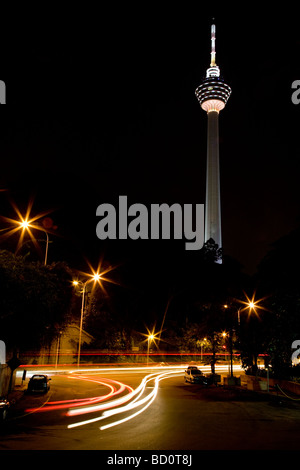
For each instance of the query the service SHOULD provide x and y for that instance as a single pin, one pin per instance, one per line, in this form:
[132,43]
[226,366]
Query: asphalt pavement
[183,416]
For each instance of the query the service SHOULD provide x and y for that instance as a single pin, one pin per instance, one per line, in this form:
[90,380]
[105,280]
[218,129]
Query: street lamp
[96,277]
[27,225]
[251,305]
[150,339]
[202,343]
[57,348]
[24,224]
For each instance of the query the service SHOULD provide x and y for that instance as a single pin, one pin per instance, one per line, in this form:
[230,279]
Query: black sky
[105,106]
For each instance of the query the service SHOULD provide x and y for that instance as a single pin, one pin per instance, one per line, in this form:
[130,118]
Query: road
[180,416]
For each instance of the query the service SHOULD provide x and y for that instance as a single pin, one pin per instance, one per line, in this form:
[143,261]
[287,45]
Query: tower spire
[213,70]
[213,46]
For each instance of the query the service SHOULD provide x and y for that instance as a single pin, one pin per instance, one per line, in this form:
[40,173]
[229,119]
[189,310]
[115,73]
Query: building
[213,94]
[64,348]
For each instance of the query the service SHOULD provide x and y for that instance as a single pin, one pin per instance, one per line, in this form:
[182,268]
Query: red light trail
[116,388]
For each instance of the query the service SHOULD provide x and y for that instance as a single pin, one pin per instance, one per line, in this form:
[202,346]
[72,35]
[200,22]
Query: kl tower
[212,95]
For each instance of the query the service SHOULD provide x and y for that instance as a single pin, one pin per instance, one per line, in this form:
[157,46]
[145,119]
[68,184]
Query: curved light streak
[150,398]
[134,404]
[61,404]
[112,403]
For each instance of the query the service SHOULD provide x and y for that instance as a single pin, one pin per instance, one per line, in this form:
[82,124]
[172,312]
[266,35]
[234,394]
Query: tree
[278,276]
[211,251]
[35,301]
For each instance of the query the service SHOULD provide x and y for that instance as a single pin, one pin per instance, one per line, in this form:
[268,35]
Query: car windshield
[196,372]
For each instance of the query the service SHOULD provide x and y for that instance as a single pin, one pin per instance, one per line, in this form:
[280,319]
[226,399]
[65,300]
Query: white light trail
[150,397]
[112,403]
[134,404]
[119,370]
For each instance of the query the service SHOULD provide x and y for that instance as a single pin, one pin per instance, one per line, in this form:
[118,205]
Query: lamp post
[150,339]
[230,346]
[96,277]
[57,348]
[224,336]
[47,245]
[27,225]
[250,305]
[203,341]
[81,317]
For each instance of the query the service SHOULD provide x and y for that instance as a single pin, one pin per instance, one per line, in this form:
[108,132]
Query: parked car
[4,406]
[194,375]
[39,384]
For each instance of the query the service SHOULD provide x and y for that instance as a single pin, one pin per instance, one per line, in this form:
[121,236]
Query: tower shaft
[213,197]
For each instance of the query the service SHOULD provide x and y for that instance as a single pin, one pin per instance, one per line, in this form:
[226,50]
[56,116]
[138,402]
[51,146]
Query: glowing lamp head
[24,224]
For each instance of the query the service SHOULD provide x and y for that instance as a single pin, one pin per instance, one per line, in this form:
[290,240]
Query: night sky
[104,105]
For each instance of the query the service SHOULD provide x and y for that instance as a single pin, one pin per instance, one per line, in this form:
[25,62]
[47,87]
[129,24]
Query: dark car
[39,383]
[4,406]
[194,375]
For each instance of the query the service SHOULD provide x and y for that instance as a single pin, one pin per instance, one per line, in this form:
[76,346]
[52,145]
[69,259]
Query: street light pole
[239,316]
[250,305]
[230,345]
[47,245]
[26,225]
[57,348]
[148,346]
[150,339]
[81,321]
[96,277]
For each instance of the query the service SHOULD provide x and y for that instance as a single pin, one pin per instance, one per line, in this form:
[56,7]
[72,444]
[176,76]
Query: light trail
[134,404]
[135,396]
[110,407]
[62,404]
[161,356]
[119,370]
[150,398]
[112,403]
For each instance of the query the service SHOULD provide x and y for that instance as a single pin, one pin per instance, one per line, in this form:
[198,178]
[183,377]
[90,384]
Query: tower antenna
[213,46]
